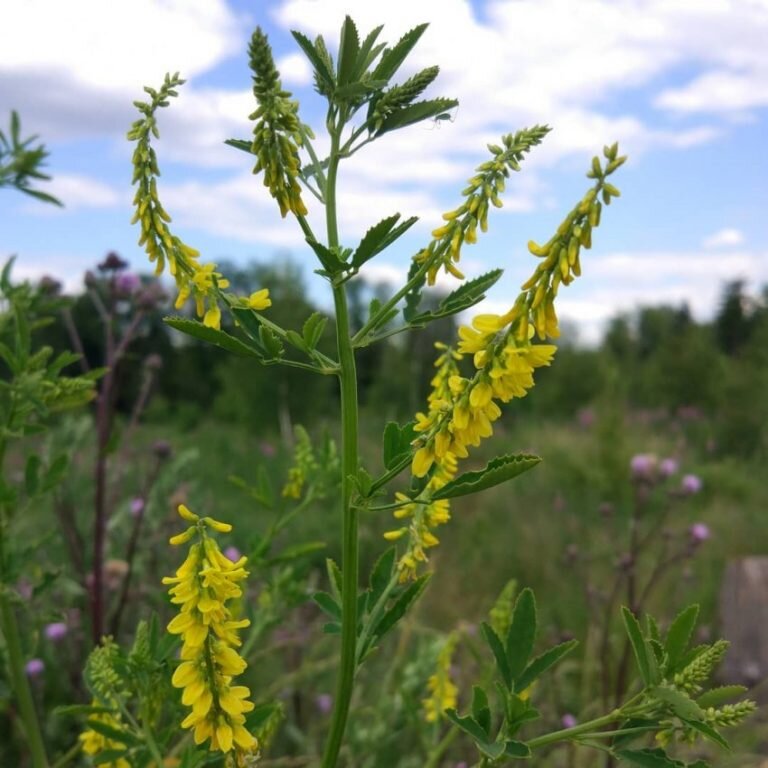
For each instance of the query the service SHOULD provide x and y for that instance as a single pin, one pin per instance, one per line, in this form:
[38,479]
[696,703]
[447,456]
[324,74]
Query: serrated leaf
[639,646]
[416,113]
[368,52]
[242,144]
[708,732]
[328,604]
[297,340]
[349,49]
[499,470]
[330,260]
[497,648]
[543,662]
[393,57]
[211,335]
[379,237]
[679,636]
[467,295]
[315,60]
[313,328]
[397,610]
[717,696]
[270,342]
[648,758]
[681,704]
[413,297]
[521,634]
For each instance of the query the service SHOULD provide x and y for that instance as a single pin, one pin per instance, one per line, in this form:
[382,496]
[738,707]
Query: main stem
[349,556]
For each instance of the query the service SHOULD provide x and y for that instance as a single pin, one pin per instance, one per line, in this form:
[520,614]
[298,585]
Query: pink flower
[691,484]
[56,631]
[126,284]
[699,532]
[34,667]
[668,467]
[232,553]
[137,506]
[643,465]
[568,720]
[324,703]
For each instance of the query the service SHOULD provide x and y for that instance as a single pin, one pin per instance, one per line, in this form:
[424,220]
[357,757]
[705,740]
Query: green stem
[21,683]
[433,761]
[69,755]
[567,734]
[349,461]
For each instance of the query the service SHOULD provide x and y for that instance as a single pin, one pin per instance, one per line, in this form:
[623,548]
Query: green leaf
[639,646]
[328,258]
[32,475]
[499,653]
[681,704]
[368,52]
[464,297]
[115,734]
[393,57]
[499,470]
[379,237]
[521,634]
[296,551]
[679,636]
[328,604]
[397,442]
[297,340]
[400,606]
[516,749]
[648,758]
[717,696]
[380,575]
[313,328]
[349,49]
[270,342]
[76,710]
[493,749]
[334,577]
[108,756]
[242,144]
[321,70]
[55,472]
[543,662]
[708,732]
[416,113]
[210,335]
[481,712]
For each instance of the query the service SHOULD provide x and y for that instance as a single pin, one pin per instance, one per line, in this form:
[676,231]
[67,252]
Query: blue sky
[682,84]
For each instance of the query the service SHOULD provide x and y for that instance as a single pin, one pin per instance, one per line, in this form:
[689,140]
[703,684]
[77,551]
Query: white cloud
[294,69]
[77,192]
[723,238]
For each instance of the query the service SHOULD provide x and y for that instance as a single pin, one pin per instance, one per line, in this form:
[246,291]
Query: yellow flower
[94,743]
[260,299]
[203,585]
[442,690]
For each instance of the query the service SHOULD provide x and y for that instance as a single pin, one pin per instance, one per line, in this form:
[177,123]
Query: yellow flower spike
[423,460]
[202,586]
[186,514]
[395,535]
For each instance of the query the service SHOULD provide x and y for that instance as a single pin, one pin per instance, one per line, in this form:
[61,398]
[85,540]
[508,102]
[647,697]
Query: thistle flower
[56,631]
[34,668]
[203,585]
[691,484]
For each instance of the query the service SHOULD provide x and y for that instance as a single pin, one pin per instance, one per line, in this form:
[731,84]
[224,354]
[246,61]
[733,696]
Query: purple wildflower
[232,553]
[691,484]
[126,284]
[643,465]
[568,720]
[56,631]
[699,532]
[137,506]
[324,703]
[668,467]
[34,667]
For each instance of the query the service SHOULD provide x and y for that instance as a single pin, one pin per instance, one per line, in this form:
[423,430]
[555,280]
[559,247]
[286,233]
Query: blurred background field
[661,425]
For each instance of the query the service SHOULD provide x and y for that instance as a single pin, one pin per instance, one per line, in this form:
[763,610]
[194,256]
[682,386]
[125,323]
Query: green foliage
[20,162]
